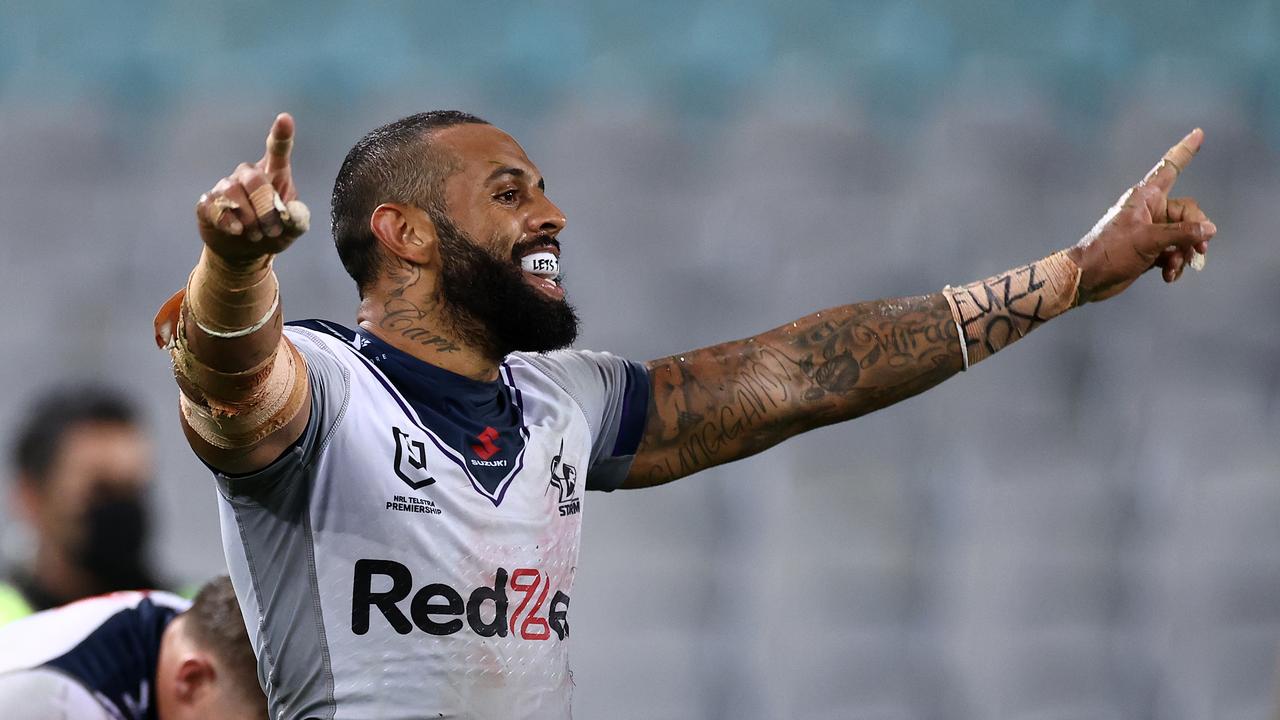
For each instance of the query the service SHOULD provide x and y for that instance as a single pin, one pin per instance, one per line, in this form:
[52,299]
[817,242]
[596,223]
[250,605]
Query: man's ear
[405,231]
[194,678]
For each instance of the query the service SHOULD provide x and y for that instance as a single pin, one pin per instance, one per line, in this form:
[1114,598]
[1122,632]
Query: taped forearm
[241,379]
[266,397]
[232,300]
[995,312]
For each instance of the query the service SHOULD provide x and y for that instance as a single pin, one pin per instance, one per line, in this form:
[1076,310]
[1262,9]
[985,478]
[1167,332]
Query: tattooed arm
[736,399]
[732,400]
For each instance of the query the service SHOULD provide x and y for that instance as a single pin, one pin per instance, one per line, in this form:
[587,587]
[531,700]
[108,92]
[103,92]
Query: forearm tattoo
[736,399]
[729,401]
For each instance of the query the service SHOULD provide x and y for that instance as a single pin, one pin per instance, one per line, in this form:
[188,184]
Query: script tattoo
[402,315]
[729,401]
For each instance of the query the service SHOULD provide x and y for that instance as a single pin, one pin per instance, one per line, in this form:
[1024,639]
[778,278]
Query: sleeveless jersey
[413,555]
[91,659]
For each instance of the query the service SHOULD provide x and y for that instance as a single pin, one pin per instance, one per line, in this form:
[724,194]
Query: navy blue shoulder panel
[635,411]
[117,661]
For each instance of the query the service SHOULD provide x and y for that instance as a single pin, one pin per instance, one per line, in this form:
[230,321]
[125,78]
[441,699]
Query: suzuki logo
[486,448]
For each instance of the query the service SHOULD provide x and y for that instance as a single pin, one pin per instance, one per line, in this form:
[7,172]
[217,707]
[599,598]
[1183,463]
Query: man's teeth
[542,264]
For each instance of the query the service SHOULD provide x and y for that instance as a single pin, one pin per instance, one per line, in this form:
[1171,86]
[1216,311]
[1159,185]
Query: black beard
[490,305]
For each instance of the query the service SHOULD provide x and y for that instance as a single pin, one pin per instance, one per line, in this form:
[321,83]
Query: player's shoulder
[110,618]
[568,363]
[592,378]
[44,693]
[321,330]
[329,348]
[92,610]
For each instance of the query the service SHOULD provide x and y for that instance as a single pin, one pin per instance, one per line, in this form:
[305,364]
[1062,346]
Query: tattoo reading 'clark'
[736,399]
[401,315]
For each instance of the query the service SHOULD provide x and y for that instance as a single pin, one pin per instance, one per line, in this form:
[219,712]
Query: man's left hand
[1144,229]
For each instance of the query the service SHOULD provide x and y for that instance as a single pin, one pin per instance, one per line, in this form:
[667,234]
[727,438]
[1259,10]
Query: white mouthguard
[543,264]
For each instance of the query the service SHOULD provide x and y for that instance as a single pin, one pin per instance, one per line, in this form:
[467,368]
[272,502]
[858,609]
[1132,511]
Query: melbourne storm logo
[564,478]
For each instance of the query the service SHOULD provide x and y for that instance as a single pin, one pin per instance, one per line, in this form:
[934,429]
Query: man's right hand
[255,211]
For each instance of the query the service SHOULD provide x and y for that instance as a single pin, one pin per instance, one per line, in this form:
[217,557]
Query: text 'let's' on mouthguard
[543,264]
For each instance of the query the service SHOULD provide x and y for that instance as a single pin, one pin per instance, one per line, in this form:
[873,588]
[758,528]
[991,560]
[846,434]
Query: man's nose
[545,218]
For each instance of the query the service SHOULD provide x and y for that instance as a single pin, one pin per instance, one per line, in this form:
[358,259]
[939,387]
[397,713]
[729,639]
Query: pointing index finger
[1166,172]
[279,144]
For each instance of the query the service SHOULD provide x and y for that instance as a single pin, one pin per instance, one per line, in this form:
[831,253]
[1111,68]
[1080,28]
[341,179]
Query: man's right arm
[244,387]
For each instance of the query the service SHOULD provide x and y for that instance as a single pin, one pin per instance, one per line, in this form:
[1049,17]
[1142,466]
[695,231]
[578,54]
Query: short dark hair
[52,415]
[394,163]
[216,625]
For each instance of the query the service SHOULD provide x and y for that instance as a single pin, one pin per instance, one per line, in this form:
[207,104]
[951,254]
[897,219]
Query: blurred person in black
[81,469]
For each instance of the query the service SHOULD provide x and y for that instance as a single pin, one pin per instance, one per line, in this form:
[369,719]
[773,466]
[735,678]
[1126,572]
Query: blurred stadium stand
[1084,527]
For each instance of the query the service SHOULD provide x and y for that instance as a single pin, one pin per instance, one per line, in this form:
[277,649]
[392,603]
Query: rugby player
[132,655]
[401,500]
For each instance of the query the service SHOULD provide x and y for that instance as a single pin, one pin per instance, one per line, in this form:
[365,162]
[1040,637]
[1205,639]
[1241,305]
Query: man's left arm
[730,401]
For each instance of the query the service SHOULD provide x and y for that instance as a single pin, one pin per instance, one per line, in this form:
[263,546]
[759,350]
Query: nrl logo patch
[411,460]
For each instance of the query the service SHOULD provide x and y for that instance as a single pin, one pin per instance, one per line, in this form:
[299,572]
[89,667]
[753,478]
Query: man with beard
[401,502]
[82,467]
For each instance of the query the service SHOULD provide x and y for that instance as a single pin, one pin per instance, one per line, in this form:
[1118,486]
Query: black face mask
[113,548]
[492,305]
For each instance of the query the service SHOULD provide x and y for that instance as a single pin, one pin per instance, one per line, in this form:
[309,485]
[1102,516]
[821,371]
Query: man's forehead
[483,148]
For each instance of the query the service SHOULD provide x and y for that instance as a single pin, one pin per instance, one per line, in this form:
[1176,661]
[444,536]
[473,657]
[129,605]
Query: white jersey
[94,659]
[413,555]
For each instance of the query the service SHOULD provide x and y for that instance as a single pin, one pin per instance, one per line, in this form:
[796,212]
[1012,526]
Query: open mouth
[541,266]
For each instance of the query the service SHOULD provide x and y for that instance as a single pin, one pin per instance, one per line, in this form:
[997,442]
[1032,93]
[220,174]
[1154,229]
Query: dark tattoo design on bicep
[402,315]
[732,400]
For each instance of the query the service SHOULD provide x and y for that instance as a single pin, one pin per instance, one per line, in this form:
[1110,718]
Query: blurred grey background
[1084,526]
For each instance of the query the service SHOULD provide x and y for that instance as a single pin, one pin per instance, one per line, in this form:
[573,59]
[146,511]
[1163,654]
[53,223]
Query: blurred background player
[81,471]
[132,656]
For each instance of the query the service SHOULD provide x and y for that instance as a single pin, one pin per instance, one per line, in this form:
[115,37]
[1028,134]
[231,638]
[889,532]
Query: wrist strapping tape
[995,312]
[231,409]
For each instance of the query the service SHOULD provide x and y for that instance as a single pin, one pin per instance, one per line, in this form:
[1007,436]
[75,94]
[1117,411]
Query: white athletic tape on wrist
[231,302]
[231,410]
[261,323]
[995,312]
